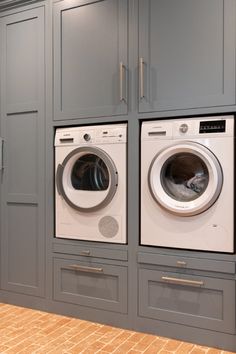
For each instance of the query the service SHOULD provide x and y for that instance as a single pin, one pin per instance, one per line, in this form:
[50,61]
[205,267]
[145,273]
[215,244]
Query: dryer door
[87,179]
[185,179]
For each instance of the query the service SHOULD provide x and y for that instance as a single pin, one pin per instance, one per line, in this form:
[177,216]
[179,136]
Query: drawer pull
[183,281]
[181,263]
[80,268]
[85,253]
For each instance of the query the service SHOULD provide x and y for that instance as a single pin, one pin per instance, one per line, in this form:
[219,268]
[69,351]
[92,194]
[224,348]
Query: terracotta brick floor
[28,331]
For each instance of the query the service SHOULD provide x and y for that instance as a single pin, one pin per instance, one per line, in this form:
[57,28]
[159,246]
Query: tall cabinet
[22,152]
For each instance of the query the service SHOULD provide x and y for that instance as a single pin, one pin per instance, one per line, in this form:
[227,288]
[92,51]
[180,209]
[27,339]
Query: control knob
[183,128]
[87,137]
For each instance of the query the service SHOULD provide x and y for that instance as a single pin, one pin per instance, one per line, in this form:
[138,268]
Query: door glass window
[90,173]
[184,177]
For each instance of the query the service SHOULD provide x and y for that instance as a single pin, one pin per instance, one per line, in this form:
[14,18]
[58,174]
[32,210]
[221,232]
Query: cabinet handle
[122,68]
[85,253]
[141,75]
[80,268]
[1,154]
[181,263]
[182,281]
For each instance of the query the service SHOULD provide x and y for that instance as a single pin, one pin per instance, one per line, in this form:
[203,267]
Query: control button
[183,128]
[87,137]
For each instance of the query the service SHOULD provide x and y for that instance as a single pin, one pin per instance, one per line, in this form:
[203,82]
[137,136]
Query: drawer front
[97,285]
[99,252]
[210,265]
[190,300]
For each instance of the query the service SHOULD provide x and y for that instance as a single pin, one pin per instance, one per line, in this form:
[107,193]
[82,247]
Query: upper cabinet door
[90,58]
[186,54]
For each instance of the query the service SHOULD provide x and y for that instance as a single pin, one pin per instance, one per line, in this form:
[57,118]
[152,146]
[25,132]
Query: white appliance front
[187,184]
[90,176]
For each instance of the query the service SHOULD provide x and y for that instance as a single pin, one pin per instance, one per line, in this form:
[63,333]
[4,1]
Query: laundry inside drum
[184,176]
[90,173]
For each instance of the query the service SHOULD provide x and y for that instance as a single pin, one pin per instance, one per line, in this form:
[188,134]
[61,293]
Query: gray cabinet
[89,283]
[22,152]
[90,58]
[196,301]
[186,54]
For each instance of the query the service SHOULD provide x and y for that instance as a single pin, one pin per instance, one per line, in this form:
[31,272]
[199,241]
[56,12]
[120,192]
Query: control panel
[103,134]
[204,127]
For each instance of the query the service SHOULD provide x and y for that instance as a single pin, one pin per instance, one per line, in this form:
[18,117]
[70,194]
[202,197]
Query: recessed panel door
[90,58]
[23,151]
[186,54]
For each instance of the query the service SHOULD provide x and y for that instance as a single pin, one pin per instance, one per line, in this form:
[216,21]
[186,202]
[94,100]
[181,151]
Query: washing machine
[90,178]
[187,183]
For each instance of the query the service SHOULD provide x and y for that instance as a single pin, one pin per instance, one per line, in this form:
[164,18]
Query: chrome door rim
[113,173]
[205,201]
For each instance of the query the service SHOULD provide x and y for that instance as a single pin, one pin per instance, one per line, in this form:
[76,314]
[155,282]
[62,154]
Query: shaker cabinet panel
[22,152]
[186,54]
[96,285]
[22,60]
[90,58]
[191,300]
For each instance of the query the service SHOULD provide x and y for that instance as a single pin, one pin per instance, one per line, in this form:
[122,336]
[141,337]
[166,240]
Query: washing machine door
[185,179]
[87,179]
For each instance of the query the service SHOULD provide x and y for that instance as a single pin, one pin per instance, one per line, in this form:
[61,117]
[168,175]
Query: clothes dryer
[90,176]
[187,183]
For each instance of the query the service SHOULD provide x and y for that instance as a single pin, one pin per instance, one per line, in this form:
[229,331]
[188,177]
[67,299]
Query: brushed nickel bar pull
[181,263]
[85,253]
[122,67]
[80,268]
[1,154]
[141,75]
[182,281]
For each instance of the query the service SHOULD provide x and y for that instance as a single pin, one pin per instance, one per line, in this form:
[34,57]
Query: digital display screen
[214,126]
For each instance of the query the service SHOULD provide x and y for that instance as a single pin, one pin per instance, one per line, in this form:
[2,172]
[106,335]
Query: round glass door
[90,173]
[87,179]
[185,179]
